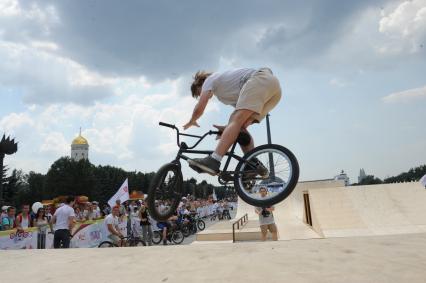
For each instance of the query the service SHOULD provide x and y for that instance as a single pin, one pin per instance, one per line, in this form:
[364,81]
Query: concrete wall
[369,210]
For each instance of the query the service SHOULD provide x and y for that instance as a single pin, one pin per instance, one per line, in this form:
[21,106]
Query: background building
[79,148]
[344,177]
[361,175]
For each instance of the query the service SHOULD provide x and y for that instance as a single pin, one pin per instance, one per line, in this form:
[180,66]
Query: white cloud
[55,142]
[405,27]
[122,133]
[406,95]
[337,82]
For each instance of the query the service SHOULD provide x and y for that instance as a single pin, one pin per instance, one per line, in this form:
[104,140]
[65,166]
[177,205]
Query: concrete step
[222,231]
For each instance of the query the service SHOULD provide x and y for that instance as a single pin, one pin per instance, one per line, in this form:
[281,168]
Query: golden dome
[80,140]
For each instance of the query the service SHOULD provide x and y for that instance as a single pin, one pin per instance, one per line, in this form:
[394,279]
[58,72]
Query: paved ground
[396,258]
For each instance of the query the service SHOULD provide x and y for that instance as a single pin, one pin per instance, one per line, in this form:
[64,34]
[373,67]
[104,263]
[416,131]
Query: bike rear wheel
[165,192]
[271,166]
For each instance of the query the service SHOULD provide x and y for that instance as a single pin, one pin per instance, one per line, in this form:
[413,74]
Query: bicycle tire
[280,196]
[106,244]
[138,243]
[156,182]
[156,237]
[177,237]
[186,231]
[193,229]
[201,225]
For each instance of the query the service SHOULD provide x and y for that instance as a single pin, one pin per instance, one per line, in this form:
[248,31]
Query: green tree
[369,180]
[414,174]
[69,177]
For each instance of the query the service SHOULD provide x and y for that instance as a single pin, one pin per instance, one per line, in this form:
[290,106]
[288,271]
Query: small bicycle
[270,165]
[130,241]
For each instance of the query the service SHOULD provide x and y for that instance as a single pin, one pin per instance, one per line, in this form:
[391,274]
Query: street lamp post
[271,158]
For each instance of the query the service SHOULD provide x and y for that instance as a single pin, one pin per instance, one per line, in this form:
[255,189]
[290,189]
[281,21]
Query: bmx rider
[252,92]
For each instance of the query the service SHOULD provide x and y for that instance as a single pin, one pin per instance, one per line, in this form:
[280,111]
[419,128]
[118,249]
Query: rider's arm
[71,222]
[201,105]
[113,231]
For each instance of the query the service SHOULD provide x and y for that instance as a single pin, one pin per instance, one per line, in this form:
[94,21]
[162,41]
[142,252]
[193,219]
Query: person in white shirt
[112,229]
[252,92]
[63,219]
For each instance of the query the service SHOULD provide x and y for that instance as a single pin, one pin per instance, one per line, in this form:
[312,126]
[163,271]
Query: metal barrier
[240,223]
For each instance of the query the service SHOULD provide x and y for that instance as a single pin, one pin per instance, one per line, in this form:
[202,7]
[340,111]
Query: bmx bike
[174,235]
[280,177]
[130,241]
[125,242]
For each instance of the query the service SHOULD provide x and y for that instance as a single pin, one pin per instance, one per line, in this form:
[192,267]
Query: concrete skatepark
[327,233]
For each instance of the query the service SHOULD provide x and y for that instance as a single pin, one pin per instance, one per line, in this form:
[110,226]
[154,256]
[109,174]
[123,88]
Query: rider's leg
[264,231]
[211,164]
[246,147]
[165,236]
[236,122]
[274,231]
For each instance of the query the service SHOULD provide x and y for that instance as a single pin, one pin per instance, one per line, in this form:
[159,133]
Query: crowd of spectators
[135,212]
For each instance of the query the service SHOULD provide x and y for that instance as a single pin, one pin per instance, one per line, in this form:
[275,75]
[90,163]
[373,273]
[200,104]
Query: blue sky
[352,74]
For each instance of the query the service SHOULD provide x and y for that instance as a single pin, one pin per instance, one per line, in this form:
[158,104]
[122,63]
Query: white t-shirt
[226,86]
[25,223]
[111,219]
[62,215]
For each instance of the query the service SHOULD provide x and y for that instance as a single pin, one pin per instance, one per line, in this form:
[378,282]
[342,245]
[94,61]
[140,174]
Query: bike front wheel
[201,225]
[136,243]
[165,192]
[271,167]
[177,237]
[106,244]
[156,237]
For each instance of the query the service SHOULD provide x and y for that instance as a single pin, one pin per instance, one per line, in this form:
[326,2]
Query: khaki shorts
[260,94]
[115,239]
[271,227]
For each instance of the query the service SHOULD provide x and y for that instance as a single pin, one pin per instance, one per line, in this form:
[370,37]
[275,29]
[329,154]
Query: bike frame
[184,148]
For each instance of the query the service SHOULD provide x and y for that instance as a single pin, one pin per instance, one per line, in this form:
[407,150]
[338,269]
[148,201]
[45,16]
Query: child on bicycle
[252,92]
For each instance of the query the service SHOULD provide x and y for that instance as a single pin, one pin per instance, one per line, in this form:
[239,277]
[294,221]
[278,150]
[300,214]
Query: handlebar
[167,125]
[178,134]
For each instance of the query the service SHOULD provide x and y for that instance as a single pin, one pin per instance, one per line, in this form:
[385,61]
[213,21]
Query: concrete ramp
[289,218]
[369,210]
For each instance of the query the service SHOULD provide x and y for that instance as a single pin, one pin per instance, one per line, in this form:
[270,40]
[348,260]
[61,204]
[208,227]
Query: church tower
[79,148]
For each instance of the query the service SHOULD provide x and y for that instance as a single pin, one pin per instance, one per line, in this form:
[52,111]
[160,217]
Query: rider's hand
[190,124]
[220,129]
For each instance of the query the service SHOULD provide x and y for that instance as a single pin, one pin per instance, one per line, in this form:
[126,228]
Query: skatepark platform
[327,209]
[328,233]
[395,258]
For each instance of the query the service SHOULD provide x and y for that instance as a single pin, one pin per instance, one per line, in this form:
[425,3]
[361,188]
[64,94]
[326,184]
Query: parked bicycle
[270,165]
[174,235]
[130,241]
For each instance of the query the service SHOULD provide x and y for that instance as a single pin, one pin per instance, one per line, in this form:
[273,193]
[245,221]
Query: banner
[423,181]
[88,234]
[14,240]
[91,233]
[122,194]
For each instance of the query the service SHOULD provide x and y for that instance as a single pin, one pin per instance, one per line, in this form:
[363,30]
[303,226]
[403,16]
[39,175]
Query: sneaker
[258,166]
[207,164]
